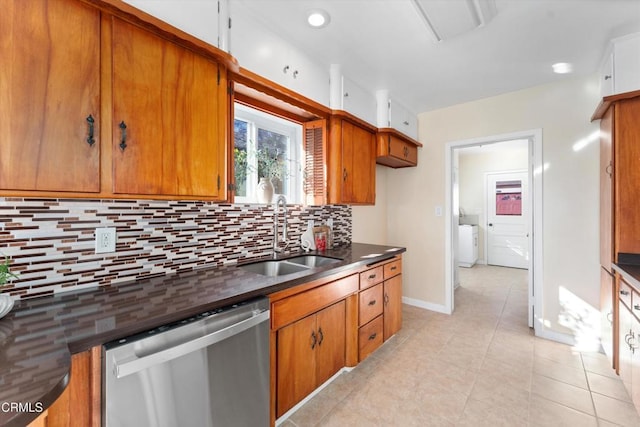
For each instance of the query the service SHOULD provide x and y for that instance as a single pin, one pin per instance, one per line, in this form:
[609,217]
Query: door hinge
[218,75]
[231,187]
[230,90]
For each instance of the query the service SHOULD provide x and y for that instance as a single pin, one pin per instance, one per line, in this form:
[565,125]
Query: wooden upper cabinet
[626,130]
[49,86]
[169,117]
[351,161]
[395,149]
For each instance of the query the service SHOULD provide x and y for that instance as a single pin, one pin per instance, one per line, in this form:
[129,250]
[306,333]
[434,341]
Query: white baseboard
[542,332]
[439,308]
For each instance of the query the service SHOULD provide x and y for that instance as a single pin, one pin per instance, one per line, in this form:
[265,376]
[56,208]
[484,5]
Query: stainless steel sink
[289,265]
[313,260]
[273,268]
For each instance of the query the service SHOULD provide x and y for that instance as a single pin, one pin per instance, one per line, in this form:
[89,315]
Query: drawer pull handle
[623,292]
[90,139]
[386,299]
[373,336]
[314,340]
[372,302]
[636,307]
[123,133]
[394,268]
[372,276]
[321,335]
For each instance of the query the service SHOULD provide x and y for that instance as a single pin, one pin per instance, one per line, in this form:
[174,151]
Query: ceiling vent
[445,18]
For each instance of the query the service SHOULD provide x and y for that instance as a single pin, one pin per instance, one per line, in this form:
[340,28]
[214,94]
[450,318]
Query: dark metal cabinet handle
[636,307]
[373,336]
[295,74]
[386,299]
[372,302]
[321,335]
[394,268]
[90,139]
[314,340]
[344,174]
[609,169]
[123,137]
[623,292]
[607,77]
[372,276]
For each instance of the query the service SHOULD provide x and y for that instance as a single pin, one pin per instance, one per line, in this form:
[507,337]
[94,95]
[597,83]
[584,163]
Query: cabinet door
[49,85]
[392,306]
[625,354]
[627,176]
[606,189]
[330,356]
[170,101]
[296,362]
[635,363]
[359,168]
[606,312]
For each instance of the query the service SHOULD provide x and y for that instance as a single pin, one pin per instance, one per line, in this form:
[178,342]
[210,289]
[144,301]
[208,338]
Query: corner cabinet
[169,110]
[395,149]
[50,89]
[351,160]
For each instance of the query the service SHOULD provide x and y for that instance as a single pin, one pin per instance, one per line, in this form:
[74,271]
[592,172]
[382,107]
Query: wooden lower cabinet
[381,281]
[79,405]
[606,313]
[310,351]
[392,306]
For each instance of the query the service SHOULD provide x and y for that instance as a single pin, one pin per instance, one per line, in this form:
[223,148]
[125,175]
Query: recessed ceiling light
[318,18]
[562,67]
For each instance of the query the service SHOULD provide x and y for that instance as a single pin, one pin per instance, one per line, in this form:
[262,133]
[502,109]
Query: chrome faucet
[280,206]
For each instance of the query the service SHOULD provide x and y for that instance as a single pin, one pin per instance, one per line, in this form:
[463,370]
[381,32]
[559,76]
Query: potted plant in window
[6,301]
[270,166]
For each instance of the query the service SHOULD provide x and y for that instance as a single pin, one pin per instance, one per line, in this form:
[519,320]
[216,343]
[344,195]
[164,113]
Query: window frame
[257,119]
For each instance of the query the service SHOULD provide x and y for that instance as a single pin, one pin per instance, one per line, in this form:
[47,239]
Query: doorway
[531,191]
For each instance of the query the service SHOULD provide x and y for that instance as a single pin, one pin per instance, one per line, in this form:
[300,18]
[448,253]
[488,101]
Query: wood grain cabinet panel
[370,337]
[371,277]
[392,306]
[309,352]
[168,117]
[50,86]
[351,161]
[396,150]
[371,303]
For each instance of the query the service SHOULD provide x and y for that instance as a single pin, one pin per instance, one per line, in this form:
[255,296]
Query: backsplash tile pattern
[51,241]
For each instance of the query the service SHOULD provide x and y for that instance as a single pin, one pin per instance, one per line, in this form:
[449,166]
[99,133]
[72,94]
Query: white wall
[370,222]
[570,183]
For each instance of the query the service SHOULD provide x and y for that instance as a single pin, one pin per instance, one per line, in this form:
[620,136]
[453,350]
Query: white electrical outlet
[105,240]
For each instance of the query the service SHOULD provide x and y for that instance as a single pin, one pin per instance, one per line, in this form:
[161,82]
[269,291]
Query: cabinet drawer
[392,269]
[296,307]
[371,277]
[370,303]
[625,293]
[370,337]
[635,304]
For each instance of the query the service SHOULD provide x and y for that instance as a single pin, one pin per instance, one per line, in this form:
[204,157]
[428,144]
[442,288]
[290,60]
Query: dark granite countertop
[630,273]
[39,335]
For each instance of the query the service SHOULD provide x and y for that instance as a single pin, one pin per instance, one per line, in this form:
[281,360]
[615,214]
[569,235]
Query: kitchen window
[265,142]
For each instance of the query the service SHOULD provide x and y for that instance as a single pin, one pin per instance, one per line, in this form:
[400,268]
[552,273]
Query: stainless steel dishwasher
[209,370]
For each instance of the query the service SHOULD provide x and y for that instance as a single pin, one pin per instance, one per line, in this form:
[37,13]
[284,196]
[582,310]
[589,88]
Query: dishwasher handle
[122,368]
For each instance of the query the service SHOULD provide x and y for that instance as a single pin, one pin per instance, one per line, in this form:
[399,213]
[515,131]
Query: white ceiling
[384,44]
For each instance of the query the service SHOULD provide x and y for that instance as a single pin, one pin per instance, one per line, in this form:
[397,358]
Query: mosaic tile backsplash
[51,242]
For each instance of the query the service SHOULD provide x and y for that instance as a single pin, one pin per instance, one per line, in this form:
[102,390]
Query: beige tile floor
[481,366]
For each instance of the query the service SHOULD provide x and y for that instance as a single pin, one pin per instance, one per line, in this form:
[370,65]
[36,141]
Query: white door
[507,220]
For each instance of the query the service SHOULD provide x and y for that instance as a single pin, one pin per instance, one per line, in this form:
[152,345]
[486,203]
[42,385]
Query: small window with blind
[269,148]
